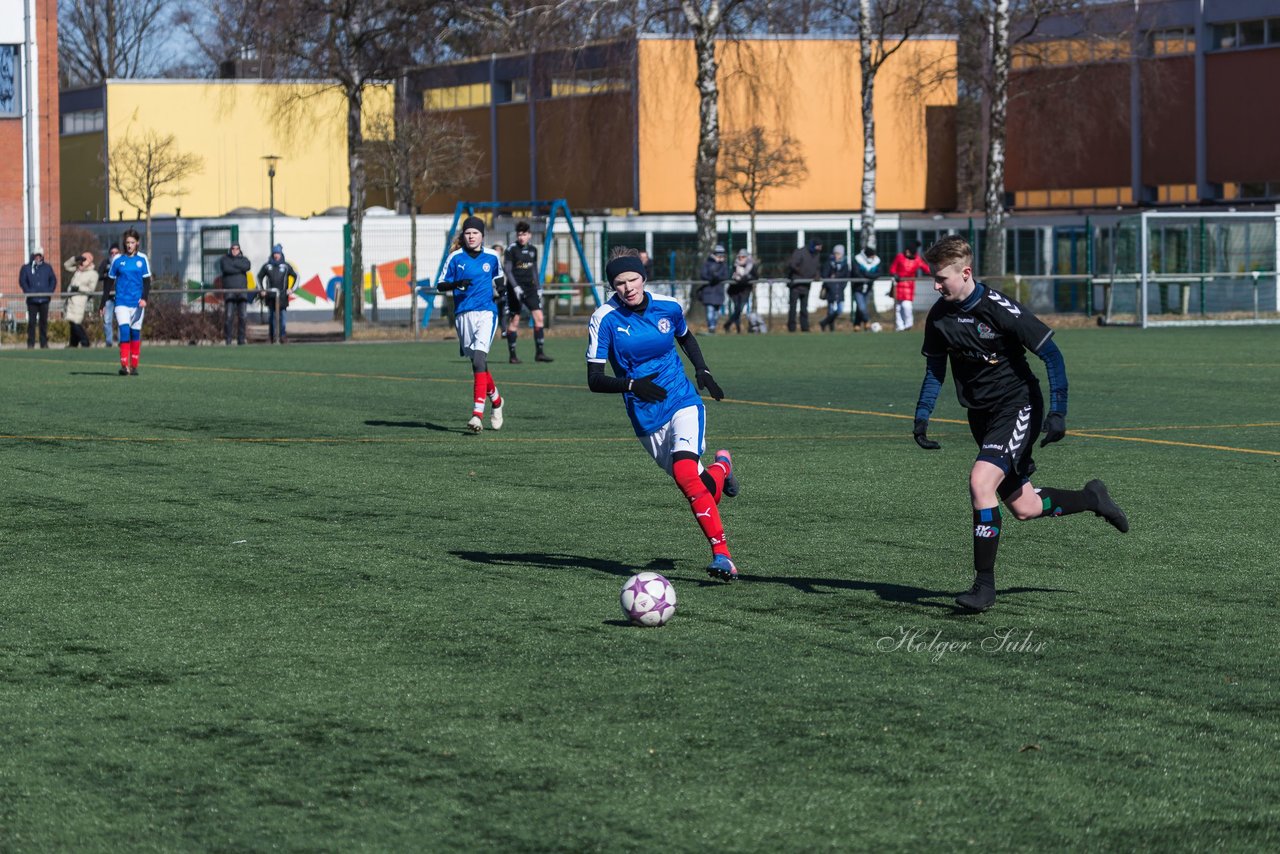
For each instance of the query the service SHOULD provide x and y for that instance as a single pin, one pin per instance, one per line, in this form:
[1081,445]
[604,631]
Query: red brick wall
[13,249]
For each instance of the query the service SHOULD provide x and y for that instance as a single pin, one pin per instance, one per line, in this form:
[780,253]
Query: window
[457,97]
[1252,33]
[10,102]
[1273,31]
[590,81]
[1171,42]
[1224,36]
[82,121]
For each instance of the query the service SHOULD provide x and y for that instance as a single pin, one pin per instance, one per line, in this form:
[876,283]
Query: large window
[457,97]
[1237,34]
[10,102]
[82,121]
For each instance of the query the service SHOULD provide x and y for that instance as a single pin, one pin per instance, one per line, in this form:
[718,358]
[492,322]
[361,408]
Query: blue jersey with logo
[128,271]
[473,275]
[641,342]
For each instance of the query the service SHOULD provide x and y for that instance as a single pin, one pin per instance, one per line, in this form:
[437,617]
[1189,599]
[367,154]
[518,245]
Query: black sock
[511,342]
[986,540]
[537,338]
[1064,502]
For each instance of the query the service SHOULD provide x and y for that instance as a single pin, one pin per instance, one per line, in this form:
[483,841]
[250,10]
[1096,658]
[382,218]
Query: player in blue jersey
[636,333]
[130,274]
[986,336]
[474,275]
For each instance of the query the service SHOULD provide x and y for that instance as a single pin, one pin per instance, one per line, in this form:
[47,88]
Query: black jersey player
[986,335]
[521,261]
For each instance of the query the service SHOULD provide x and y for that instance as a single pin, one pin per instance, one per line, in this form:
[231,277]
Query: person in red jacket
[904,269]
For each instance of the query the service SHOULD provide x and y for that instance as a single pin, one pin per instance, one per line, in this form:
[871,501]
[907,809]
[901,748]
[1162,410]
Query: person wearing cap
[835,275]
[715,272]
[83,282]
[474,276]
[802,269]
[520,263]
[277,278]
[741,280]
[636,332]
[107,296]
[38,281]
[234,268]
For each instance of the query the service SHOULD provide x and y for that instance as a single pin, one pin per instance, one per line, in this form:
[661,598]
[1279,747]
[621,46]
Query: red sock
[704,505]
[478,391]
[125,348]
[717,472]
[135,350]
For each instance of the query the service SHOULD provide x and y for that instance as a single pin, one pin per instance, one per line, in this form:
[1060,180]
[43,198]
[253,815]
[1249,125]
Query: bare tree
[101,39]
[142,168]
[423,154]
[883,26]
[755,161]
[706,19]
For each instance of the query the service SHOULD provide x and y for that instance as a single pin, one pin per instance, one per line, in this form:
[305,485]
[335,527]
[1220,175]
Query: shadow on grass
[115,372]
[884,590]
[417,425]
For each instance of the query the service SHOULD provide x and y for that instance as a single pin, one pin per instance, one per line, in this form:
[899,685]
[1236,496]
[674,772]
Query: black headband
[473,222]
[623,264]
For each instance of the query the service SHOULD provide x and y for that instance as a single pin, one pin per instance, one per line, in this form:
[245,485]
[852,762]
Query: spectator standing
[648,265]
[741,279]
[276,280]
[520,263]
[38,282]
[802,269]
[107,298]
[715,272]
[866,269]
[904,269]
[835,275]
[235,291]
[83,283]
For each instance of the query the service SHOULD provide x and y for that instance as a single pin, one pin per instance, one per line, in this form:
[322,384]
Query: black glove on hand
[1055,428]
[705,380]
[647,390]
[921,432]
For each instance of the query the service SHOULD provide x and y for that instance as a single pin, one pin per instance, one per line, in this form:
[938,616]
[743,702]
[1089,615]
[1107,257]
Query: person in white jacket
[82,284]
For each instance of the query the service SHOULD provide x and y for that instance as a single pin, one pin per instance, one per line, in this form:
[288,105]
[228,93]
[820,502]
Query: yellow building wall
[80,156]
[809,89]
[232,124]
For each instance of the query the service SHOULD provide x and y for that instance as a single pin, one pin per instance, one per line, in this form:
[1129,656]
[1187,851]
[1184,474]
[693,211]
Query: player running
[986,335]
[130,274]
[474,274]
[521,266]
[636,332]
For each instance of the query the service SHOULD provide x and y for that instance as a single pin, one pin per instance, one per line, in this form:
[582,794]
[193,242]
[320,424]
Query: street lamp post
[271,159]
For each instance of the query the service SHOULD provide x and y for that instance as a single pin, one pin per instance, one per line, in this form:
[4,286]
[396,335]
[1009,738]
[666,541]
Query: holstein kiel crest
[664,326]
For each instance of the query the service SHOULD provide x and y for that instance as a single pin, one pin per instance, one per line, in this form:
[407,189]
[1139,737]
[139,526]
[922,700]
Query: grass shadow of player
[543,560]
[416,425]
[113,373]
[885,591]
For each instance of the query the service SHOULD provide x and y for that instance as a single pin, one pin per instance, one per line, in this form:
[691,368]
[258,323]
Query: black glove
[921,432]
[705,380]
[1055,428]
[647,390]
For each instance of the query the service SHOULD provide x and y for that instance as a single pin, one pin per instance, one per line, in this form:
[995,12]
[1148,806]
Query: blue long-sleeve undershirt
[1056,369]
[935,371]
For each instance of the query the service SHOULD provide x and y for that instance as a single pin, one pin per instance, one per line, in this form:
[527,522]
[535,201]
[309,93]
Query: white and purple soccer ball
[648,599]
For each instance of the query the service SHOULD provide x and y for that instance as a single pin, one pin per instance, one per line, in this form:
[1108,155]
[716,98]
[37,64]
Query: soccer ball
[875,326]
[648,599]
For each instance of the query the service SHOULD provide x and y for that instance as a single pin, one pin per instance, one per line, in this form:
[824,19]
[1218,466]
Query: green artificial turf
[278,598]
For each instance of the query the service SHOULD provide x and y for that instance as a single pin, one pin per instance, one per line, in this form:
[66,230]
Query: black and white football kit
[522,278]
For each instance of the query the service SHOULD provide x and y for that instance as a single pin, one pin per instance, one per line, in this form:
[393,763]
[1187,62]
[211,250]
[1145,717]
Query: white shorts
[475,330]
[686,431]
[130,315]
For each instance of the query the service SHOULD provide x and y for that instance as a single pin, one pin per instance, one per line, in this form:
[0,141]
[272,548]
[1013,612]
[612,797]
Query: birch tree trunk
[868,81]
[993,260]
[355,205]
[705,26]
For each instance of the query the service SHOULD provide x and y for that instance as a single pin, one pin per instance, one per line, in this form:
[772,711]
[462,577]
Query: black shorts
[530,298]
[1005,438]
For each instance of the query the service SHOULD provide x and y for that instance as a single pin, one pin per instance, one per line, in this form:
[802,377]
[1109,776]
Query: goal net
[1184,269]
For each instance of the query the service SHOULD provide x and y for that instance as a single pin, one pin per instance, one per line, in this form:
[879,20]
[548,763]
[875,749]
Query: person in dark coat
[38,281]
[867,268]
[802,269]
[715,272]
[835,275]
[277,278]
[235,291]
